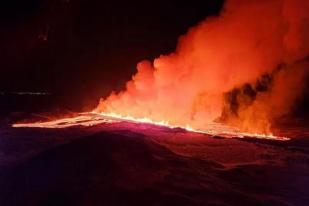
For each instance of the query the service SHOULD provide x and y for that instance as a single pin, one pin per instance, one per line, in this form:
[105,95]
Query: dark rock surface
[135,164]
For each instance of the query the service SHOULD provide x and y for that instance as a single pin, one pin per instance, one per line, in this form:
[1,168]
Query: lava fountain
[234,74]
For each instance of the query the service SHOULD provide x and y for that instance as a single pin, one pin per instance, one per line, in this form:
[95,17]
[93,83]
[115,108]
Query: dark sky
[82,49]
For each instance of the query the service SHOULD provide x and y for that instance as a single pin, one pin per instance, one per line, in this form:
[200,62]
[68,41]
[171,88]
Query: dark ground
[138,164]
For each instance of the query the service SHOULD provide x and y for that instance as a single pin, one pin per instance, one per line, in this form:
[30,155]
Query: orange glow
[231,52]
[232,75]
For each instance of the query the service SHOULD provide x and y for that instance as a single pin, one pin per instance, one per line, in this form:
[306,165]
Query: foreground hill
[125,163]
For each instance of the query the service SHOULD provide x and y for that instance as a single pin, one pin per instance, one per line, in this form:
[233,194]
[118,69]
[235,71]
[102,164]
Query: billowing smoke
[245,67]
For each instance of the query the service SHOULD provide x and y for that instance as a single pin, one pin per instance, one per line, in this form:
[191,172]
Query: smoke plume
[245,67]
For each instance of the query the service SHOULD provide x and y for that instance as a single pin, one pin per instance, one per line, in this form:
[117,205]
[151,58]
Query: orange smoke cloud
[248,41]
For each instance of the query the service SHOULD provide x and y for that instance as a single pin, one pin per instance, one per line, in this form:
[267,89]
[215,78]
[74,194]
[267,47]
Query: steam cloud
[245,67]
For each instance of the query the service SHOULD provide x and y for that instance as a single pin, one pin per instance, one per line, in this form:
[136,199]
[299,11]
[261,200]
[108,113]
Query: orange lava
[92,118]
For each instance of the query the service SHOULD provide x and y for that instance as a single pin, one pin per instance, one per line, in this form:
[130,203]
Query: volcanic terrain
[122,162]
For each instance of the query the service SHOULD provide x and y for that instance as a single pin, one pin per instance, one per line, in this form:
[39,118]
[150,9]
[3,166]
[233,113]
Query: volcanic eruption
[223,120]
[244,68]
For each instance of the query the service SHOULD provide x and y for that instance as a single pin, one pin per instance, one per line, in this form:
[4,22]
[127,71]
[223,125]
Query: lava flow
[92,118]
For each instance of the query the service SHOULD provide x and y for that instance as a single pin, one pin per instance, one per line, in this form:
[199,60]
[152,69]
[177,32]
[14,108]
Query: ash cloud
[246,67]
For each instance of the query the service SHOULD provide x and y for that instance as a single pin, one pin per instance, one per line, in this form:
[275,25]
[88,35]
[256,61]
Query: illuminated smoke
[245,68]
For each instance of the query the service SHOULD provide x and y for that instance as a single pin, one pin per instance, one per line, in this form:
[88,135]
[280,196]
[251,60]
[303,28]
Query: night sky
[80,50]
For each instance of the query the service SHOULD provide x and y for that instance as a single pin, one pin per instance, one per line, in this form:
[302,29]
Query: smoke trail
[245,67]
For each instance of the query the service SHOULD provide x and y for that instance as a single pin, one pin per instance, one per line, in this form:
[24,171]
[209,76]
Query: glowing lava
[92,118]
[215,129]
[84,119]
